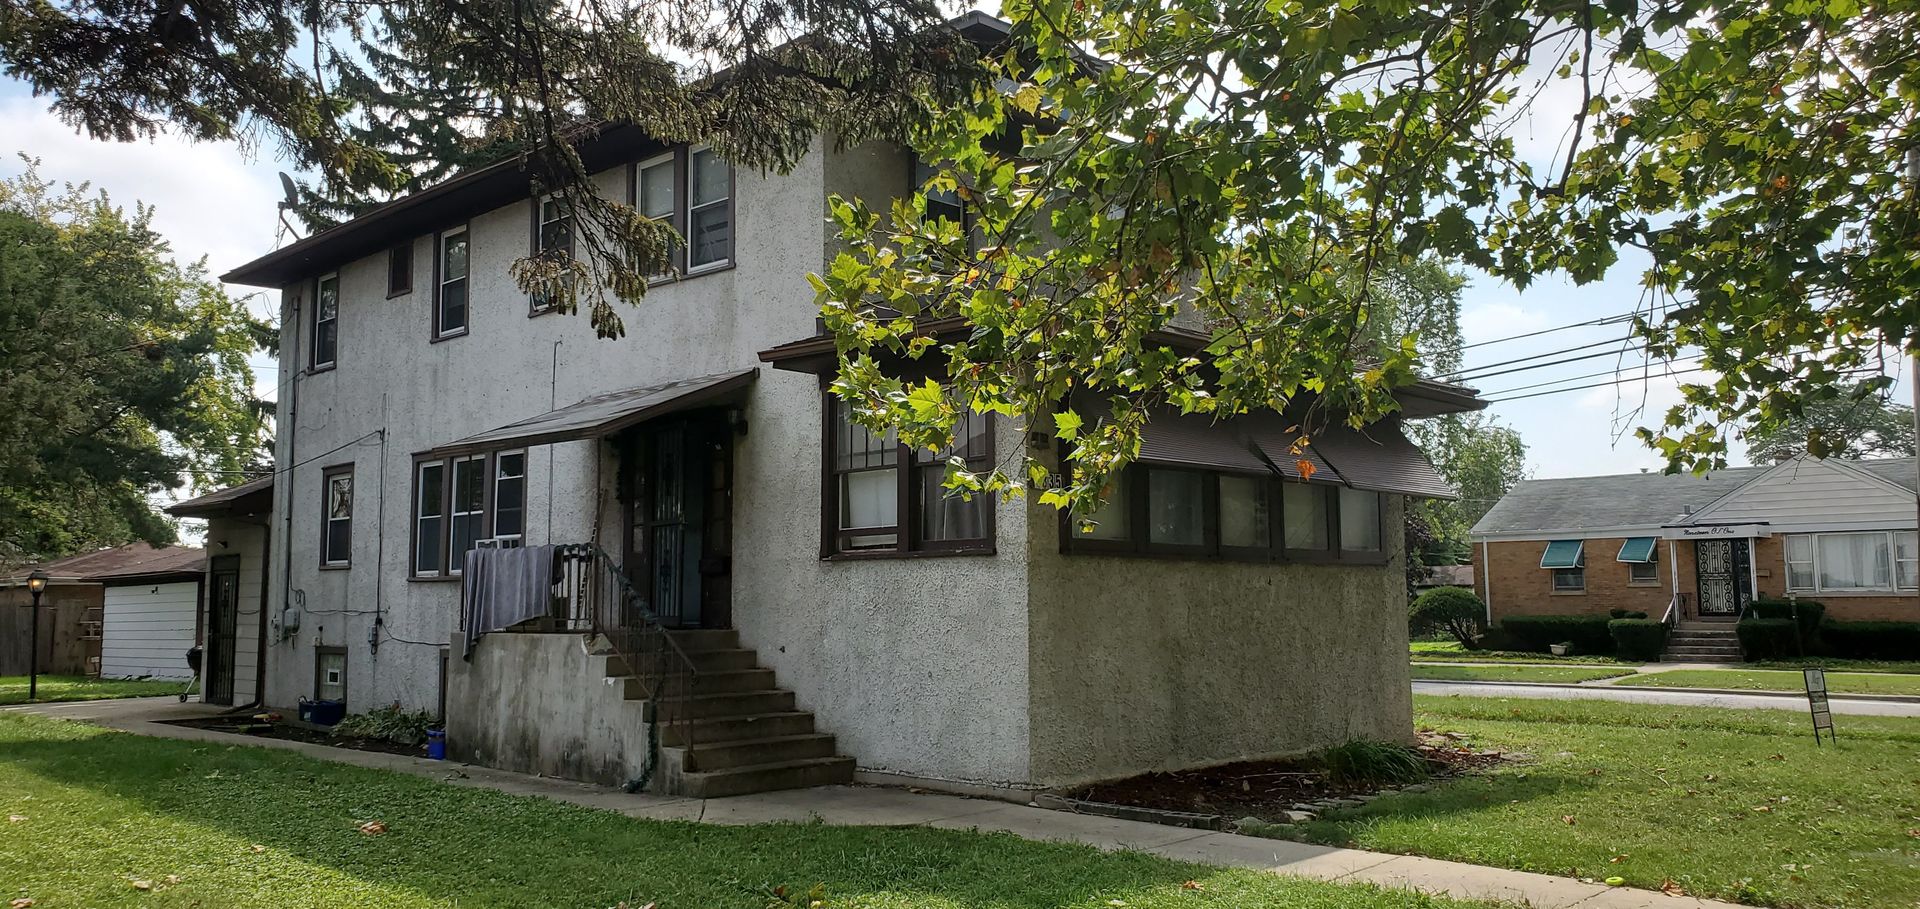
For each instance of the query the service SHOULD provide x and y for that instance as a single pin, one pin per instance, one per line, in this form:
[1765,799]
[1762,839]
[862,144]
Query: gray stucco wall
[539,703]
[1149,664]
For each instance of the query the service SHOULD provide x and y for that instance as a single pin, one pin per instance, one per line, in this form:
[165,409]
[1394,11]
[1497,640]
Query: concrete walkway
[862,806]
[1678,697]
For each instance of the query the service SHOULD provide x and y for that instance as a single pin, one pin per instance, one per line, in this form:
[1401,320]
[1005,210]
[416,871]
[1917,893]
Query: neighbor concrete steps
[738,732]
[1702,642]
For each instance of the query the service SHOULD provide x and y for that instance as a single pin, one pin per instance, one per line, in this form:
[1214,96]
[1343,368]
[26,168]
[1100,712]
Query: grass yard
[1452,652]
[91,812]
[1729,804]
[1782,680]
[1517,673]
[13,688]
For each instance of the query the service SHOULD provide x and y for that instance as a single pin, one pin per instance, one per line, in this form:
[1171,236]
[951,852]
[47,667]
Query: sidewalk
[863,806]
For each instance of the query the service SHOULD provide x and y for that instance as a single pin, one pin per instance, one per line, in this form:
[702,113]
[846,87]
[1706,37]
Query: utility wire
[1469,372]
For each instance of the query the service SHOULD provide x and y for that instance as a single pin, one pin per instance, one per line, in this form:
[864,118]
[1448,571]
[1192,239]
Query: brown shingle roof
[131,560]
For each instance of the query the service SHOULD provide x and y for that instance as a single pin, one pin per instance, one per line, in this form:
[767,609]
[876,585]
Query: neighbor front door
[1720,570]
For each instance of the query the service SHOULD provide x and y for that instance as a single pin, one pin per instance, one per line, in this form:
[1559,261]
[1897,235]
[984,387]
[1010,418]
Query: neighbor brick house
[1840,532]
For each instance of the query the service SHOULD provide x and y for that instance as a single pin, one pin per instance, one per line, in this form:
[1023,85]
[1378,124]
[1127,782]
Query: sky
[218,201]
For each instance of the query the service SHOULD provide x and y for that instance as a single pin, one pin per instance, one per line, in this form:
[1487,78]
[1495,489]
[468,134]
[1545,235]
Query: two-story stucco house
[833,608]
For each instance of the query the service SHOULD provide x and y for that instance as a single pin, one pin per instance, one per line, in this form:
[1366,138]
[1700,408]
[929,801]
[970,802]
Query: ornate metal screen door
[1720,570]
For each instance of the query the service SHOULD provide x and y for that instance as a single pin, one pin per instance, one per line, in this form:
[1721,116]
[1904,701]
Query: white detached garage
[150,616]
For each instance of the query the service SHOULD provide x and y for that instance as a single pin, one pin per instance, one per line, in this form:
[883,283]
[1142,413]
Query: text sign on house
[1718,531]
[1817,702]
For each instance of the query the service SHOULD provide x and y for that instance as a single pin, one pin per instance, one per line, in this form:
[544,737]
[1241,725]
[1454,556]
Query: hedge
[1872,640]
[1638,639]
[1626,614]
[1587,633]
[1768,639]
[1809,612]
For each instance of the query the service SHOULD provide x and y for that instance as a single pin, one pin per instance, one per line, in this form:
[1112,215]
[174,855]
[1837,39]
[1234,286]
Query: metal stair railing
[599,597]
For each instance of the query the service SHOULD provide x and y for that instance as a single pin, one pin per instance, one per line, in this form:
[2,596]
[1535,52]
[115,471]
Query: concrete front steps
[745,732]
[1703,642]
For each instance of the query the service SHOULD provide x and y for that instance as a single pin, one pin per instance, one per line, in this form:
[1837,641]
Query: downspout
[260,627]
[1486,583]
[286,517]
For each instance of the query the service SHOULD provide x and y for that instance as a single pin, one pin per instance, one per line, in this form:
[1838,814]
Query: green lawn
[13,688]
[1781,680]
[92,811]
[1452,652]
[1729,804]
[1517,673]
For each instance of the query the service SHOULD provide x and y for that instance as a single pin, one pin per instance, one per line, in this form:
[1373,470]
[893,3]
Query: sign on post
[1817,703]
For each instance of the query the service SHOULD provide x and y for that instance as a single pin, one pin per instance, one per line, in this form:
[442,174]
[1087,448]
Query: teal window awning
[1563,554]
[1637,549]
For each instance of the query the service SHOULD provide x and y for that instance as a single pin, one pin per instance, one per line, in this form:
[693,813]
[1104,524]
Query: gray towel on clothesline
[500,588]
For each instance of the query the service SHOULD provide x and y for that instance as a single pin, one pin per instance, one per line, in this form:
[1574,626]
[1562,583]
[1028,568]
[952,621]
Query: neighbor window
[330,674]
[1570,580]
[1845,562]
[468,508]
[336,544]
[450,297]
[400,269]
[552,236]
[462,500]
[874,509]
[326,322]
[1167,510]
[1643,573]
[709,210]
[509,495]
[429,518]
[1567,559]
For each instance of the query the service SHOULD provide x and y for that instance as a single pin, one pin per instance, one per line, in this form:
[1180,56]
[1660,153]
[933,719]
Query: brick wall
[1770,562]
[1519,586]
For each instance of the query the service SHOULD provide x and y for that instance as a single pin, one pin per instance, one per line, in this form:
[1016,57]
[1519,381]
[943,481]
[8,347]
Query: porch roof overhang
[1418,400]
[608,414]
[254,497]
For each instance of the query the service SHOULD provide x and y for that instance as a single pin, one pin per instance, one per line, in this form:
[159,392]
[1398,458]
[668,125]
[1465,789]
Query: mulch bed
[1263,789]
[294,732]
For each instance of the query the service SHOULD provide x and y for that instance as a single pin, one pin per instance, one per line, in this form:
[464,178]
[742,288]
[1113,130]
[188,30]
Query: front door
[223,619]
[679,485]
[1720,570]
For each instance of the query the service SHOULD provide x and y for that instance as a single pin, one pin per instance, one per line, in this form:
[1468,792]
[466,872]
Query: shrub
[1454,610]
[1626,614]
[389,723]
[1366,763]
[1638,639]
[1872,640]
[1768,639]
[1808,612]
[1498,639]
[1587,633]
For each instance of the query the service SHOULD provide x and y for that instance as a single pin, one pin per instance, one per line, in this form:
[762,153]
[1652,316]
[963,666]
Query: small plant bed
[274,726]
[1781,680]
[1451,652]
[13,688]
[1279,792]
[1564,675]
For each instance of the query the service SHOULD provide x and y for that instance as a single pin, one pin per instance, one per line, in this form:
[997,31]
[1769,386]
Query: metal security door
[1720,570]
[223,619]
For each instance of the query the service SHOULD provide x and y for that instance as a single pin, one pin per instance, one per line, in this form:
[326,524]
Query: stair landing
[739,732]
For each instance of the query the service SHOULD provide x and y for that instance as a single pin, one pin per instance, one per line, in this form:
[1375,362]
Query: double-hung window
[461,500]
[467,511]
[883,497]
[326,322]
[509,495]
[1567,559]
[336,542]
[429,518]
[1873,561]
[691,191]
[552,239]
[450,298]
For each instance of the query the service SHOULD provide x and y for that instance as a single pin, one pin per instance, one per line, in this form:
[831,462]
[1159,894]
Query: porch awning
[608,414]
[1637,549]
[1563,554]
[1382,459]
[1198,440]
[251,497]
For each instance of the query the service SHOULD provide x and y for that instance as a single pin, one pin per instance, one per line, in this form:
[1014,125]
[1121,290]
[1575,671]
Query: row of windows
[1182,511]
[1853,562]
[690,189]
[456,502]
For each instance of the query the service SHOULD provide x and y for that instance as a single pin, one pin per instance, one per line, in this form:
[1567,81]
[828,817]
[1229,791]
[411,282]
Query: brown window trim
[490,466]
[682,156]
[536,202]
[326,521]
[346,659]
[312,322]
[396,249]
[906,530]
[1139,513]
[439,255]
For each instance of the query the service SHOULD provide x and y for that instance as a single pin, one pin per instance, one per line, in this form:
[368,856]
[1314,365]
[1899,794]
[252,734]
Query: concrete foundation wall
[539,703]
[1145,664]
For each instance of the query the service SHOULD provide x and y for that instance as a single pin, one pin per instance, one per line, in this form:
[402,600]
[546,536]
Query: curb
[1671,689]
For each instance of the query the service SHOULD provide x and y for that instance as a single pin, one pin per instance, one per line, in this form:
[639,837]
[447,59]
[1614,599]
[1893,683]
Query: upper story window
[692,191]
[1880,560]
[450,297]
[1164,510]
[553,236]
[336,541]
[941,204]
[883,498]
[326,322]
[400,269]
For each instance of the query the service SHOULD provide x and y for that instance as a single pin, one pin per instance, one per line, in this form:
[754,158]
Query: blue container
[323,713]
[437,744]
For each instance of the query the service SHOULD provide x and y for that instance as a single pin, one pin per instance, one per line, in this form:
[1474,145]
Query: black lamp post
[37,585]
